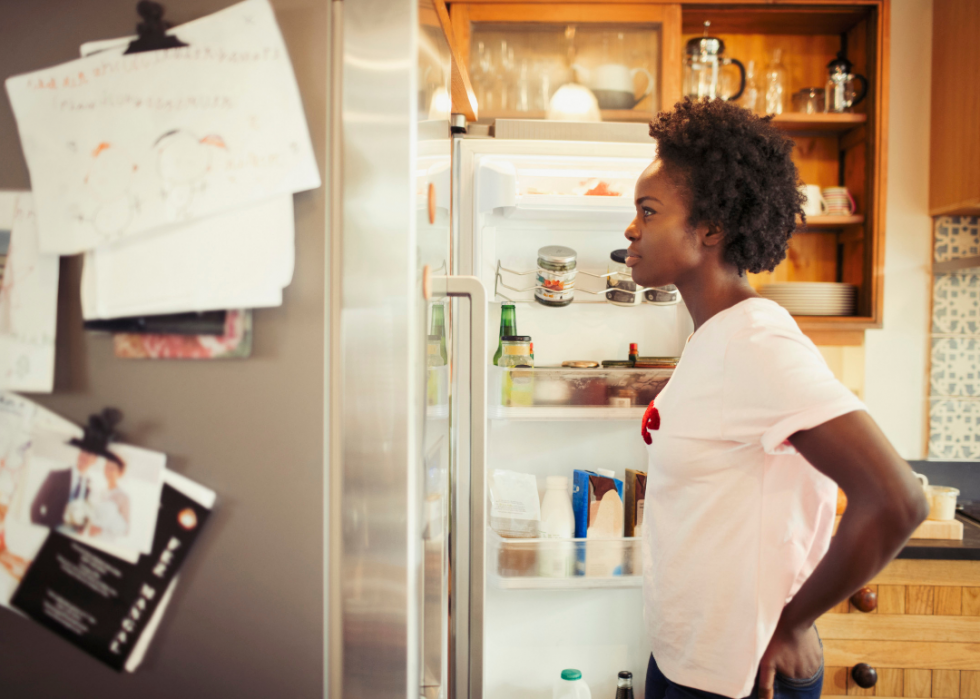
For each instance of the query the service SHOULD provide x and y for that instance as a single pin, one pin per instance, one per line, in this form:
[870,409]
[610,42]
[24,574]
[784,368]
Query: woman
[752,434]
[110,511]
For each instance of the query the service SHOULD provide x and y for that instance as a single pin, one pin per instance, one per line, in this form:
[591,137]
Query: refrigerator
[426,215]
[514,197]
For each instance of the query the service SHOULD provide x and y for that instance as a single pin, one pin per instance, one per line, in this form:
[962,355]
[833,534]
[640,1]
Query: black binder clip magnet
[152,31]
[99,433]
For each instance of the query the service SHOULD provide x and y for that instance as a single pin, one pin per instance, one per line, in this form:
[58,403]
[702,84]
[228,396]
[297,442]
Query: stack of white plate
[813,298]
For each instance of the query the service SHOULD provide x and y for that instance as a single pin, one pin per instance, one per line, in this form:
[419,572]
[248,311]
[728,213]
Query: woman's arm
[885,504]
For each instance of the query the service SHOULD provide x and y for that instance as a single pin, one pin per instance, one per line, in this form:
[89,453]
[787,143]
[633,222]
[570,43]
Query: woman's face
[662,248]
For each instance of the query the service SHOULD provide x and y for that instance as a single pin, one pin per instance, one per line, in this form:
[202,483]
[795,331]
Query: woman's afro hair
[737,170]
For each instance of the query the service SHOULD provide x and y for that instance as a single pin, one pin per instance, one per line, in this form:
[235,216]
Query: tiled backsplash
[954,385]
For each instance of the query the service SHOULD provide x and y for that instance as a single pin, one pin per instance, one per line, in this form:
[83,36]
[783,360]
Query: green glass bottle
[439,328]
[508,326]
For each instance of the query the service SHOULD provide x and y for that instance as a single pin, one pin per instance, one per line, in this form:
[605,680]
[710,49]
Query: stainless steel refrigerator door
[378,335]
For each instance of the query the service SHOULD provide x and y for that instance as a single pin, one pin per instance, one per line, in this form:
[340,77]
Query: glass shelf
[565,393]
[564,564]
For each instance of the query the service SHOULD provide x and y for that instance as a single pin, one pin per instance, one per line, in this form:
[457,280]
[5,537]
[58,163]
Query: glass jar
[556,275]
[662,295]
[517,386]
[621,280]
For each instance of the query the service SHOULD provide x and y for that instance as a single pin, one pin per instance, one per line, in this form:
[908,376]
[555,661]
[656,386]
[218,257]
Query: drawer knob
[864,675]
[865,599]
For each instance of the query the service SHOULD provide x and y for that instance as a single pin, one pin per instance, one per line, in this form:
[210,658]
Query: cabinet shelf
[830,123]
[959,264]
[818,223]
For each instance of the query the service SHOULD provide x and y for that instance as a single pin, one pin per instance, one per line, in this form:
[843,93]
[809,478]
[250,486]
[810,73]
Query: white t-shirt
[736,519]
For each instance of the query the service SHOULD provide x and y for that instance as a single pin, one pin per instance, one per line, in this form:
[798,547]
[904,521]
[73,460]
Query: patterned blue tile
[955,369]
[956,236]
[954,430]
[956,304]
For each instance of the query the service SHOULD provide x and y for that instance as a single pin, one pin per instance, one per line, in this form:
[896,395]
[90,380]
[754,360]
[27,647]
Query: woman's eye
[648,212]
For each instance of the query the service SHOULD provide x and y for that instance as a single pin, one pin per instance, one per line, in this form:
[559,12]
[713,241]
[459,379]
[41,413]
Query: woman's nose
[631,232]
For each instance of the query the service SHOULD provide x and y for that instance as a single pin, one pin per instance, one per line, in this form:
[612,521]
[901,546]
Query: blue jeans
[659,687]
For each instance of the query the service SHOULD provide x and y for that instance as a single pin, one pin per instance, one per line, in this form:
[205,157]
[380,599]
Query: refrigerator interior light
[574,102]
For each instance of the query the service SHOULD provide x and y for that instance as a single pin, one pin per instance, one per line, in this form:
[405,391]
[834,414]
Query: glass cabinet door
[574,63]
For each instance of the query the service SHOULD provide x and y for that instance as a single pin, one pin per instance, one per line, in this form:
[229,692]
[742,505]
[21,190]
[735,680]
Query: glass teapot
[703,78]
[839,92]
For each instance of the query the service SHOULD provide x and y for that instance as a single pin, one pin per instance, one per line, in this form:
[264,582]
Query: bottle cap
[434,338]
[558,482]
[626,674]
[633,349]
[516,338]
[607,472]
[571,675]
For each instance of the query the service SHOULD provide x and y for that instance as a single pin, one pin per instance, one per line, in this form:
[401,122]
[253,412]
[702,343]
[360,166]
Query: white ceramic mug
[942,502]
[815,205]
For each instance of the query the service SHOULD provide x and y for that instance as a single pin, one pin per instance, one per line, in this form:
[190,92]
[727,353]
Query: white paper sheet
[240,259]
[28,301]
[119,145]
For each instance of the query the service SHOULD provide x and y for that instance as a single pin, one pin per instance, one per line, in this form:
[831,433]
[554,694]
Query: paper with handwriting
[240,259]
[118,145]
[28,300]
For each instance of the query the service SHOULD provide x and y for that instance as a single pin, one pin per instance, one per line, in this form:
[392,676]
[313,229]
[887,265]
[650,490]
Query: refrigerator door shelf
[564,564]
[513,286]
[563,393]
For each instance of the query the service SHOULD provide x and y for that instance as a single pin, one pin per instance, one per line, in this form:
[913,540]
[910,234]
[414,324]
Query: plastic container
[557,522]
[571,686]
[621,281]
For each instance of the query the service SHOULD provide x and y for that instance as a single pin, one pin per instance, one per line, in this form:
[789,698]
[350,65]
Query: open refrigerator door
[525,624]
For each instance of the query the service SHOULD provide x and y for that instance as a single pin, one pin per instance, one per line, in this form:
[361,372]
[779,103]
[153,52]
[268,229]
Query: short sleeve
[776,383]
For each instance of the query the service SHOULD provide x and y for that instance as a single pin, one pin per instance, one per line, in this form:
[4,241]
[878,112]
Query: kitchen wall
[895,388]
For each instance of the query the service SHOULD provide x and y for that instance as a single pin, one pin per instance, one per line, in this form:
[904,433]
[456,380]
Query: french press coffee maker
[703,78]
[839,93]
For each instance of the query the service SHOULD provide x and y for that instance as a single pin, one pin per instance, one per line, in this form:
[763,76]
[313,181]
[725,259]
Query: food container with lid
[621,289]
[517,387]
[556,275]
[662,295]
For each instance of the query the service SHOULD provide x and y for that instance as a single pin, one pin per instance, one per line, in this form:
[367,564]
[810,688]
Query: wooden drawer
[923,638]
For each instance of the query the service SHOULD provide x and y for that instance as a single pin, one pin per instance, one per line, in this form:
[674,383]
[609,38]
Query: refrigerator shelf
[560,206]
[565,413]
[566,393]
[564,564]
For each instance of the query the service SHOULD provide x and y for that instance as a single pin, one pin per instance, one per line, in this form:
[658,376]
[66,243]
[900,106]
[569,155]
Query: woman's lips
[631,260]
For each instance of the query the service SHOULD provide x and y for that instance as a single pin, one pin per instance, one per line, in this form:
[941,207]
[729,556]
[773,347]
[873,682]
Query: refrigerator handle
[468,562]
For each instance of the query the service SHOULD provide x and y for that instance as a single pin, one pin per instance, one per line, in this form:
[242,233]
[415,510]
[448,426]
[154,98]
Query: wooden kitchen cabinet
[831,149]
[923,638]
[954,147]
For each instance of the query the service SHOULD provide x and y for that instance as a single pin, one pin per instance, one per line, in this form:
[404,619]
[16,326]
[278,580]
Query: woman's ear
[710,234]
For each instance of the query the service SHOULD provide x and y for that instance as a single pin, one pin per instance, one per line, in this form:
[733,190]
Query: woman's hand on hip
[791,653]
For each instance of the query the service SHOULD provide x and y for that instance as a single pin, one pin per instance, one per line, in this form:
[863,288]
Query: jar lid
[434,338]
[617,364]
[580,364]
[618,256]
[557,254]
[516,338]
[571,675]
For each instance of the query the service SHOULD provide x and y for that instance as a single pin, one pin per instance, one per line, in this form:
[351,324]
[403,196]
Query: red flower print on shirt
[651,421]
